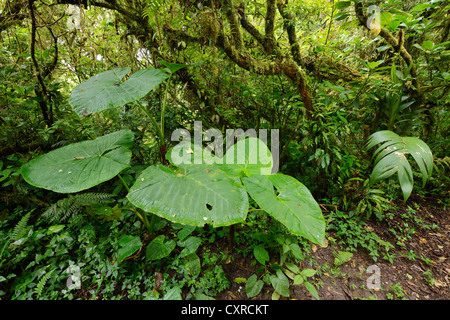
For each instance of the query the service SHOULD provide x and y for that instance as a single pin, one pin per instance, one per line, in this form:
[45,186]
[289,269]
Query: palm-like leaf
[391,159]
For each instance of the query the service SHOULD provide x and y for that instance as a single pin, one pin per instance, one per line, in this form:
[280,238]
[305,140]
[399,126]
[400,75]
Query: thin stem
[144,219]
[152,119]
[329,26]
[124,183]
[231,233]
[254,209]
[163,109]
[141,215]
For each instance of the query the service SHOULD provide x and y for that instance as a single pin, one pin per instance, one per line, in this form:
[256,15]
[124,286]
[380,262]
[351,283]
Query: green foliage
[129,245]
[159,248]
[82,165]
[342,257]
[292,205]
[354,234]
[223,200]
[391,159]
[214,196]
[253,286]
[106,90]
[20,229]
[72,205]
[101,107]
[40,285]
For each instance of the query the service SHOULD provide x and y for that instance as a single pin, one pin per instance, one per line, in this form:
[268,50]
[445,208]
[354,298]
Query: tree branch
[292,35]
[234,25]
[42,93]
[251,28]
[396,44]
[11,14]
[269,27]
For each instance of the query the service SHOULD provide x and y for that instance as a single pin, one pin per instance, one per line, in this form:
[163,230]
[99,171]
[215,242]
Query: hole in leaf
[208,206]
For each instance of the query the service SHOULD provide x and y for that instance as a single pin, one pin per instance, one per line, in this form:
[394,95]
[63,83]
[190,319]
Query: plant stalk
[163,109]
[155,124]
[141,215]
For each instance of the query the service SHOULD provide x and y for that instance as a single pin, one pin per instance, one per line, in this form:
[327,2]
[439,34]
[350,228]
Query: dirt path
[419,270]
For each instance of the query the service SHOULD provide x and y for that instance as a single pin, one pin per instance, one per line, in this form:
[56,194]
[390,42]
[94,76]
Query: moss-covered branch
[269,25]
[292,35]
[231,15]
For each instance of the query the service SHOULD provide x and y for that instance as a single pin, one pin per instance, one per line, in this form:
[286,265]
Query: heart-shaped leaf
[159,248]
[190,245]
[246,157]
[280,283]
[82,165]
[292,205]
[129,245]
[194,196]
[250,156]
[253,286]
[106,90]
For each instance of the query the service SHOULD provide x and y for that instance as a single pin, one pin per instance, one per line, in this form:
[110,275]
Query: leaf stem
[124,183]
[163,109]
[141,215]
[144,219]
[152,119]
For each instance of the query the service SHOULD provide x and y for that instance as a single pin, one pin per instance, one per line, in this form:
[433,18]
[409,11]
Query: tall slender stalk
[163,109]
[153,120]
[141,215]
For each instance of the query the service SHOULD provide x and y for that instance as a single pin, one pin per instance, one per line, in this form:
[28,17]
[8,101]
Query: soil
[422,275]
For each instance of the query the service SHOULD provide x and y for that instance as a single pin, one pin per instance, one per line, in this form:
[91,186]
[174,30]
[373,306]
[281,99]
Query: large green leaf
[390,158]
[261,254]
[81,165]
[106,90]
[292,205]
[247,156]
[250,156]
[195,195]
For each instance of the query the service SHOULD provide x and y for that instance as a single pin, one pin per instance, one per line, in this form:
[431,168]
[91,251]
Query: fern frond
[442,164]
[152,7]
[342,257]
[67,207]
[40,286]
[20,229]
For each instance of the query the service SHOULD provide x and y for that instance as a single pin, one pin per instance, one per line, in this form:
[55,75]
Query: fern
[21,228]
[441,165]
[18,232]
[67,207]
[40,286]
[342,257]
[152,7]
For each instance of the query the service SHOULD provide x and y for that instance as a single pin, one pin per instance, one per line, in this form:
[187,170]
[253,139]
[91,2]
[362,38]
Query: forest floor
[419,270]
